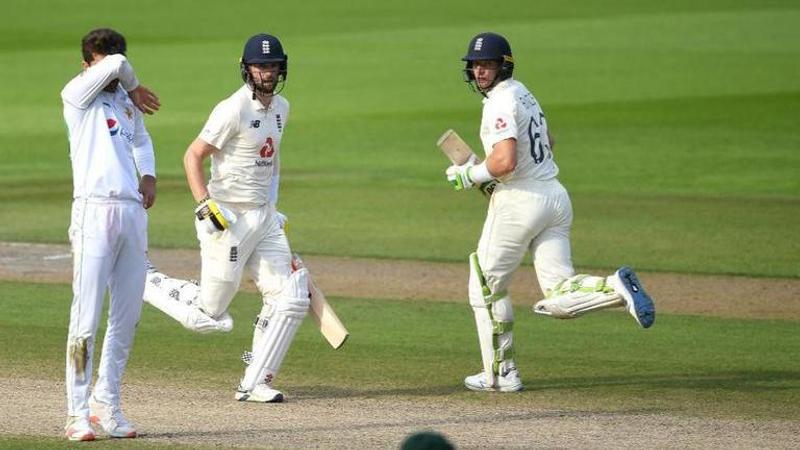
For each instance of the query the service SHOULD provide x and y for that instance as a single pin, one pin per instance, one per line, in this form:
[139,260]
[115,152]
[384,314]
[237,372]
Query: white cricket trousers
[527,215]
[256,242]
[109,241]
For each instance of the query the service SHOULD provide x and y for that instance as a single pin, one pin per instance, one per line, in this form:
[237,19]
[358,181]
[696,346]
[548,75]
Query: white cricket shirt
[108,141]
[511,111]
[248,137]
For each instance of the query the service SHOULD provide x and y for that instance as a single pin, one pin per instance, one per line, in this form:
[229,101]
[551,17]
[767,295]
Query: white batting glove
[459,177]
[213,218]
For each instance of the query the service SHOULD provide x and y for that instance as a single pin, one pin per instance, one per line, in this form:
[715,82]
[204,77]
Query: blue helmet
[260,49]
[489,46]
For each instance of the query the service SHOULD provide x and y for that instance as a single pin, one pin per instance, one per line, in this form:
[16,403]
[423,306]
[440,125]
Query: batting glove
[459,177]
[212,217]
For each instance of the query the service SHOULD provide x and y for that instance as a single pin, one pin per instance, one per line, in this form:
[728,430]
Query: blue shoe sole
[642,303]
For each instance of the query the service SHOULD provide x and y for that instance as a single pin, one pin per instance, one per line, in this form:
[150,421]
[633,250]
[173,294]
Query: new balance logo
[234,256]
[255,123]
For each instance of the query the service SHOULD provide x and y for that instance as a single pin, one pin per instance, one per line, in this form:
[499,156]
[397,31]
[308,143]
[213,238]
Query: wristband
[479,174]
[203,200]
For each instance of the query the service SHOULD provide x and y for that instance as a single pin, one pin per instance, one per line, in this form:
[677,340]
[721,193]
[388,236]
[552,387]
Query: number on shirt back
[537,146]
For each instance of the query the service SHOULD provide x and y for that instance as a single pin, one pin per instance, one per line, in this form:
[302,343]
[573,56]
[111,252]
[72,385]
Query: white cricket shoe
[79,429]
[111,420]
[638,303]
[262,393]
[509,382]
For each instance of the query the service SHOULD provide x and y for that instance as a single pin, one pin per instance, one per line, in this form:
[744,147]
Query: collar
[501,86]
[256,103]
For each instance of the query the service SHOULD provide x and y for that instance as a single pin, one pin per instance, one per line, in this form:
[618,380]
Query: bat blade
[328,322]
[458,152]
[324,316]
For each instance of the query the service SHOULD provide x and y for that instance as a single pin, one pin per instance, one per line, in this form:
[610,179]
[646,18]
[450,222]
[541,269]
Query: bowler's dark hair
[103,41]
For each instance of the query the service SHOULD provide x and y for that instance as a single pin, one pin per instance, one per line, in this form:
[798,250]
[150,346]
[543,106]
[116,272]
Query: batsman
[529,209]
[237,223]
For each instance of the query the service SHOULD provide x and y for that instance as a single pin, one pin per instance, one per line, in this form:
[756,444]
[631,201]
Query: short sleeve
[220,126]
[499,120]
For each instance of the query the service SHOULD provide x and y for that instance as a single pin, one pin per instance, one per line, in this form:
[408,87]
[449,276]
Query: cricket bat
[458,152]
[325,317]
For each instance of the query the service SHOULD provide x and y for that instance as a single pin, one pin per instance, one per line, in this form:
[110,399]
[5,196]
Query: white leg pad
[494,319]
[485,339]
[287,315]
[178,299]
[579,295]
[262,320]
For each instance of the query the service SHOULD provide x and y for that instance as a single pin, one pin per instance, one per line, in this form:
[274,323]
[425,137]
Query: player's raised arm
[98,73]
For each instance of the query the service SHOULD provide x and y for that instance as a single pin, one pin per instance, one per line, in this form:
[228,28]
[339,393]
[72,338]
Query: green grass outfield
[693,366]
[677,134]
[676,122]
[43,443]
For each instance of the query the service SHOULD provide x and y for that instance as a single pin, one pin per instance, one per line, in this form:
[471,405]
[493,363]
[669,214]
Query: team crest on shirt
[500,124]
[128,113]
[113,126]
[268,149]
[266,152]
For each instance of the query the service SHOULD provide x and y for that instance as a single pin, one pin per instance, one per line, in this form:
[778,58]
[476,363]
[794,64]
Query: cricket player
[529,209]
[237,223]
[113,170]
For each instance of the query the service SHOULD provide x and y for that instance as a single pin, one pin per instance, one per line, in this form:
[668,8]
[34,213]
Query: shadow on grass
[735,381]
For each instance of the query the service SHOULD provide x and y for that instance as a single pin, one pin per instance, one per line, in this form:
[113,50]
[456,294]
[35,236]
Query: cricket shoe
[111,420]
[79,429]
[509,382]
[639,304]
[262,393]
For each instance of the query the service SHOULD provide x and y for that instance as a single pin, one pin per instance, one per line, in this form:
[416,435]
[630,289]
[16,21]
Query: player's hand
[147,187]
[459,177]
[212,217]
[145,99]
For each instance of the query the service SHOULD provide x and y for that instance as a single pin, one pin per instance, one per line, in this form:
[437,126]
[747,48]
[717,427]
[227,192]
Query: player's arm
[274,184]
[213,217]
[222,124]
[503,159]
[82,90]
[193,159]
[272,194]
[145,160]
[276,168]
